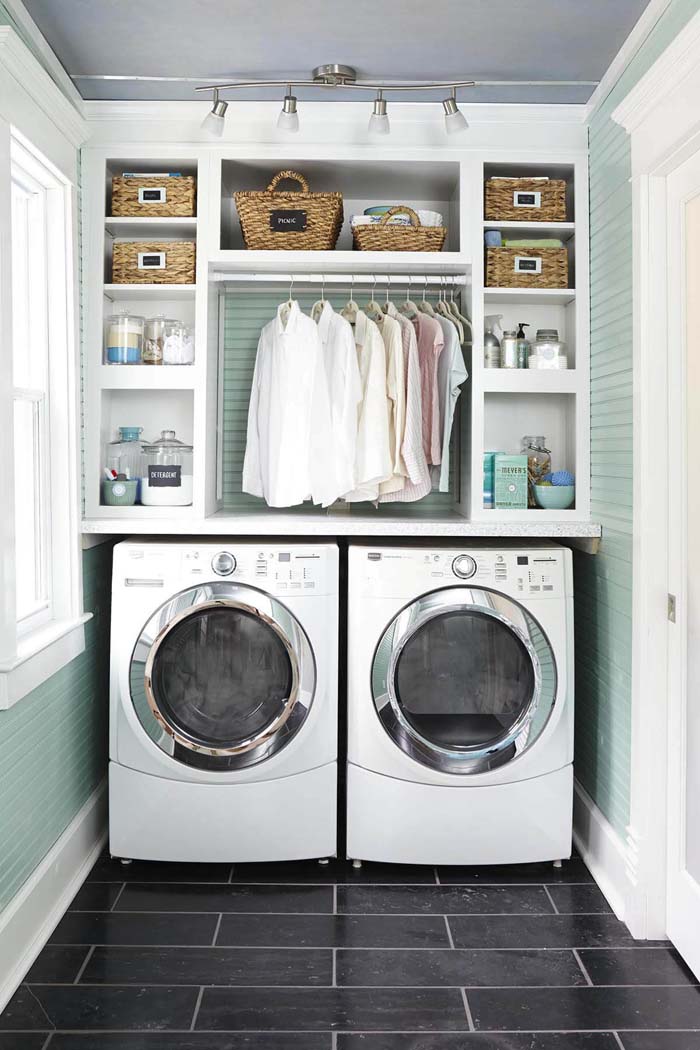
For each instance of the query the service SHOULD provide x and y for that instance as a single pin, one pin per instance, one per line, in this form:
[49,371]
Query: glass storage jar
[178,344]
[548,350]
[539,463]
[166,480]
[125,455]
[123,339]
[153,339]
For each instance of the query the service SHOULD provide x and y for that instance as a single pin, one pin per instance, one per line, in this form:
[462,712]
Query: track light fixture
[214,120]
[288,119]
[379,121]
[455,121]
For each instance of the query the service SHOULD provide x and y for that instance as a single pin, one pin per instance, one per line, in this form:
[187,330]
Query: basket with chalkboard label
[289,220]
[525,200]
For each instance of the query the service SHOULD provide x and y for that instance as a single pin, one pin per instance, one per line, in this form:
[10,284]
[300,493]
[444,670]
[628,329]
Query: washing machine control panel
[283,570]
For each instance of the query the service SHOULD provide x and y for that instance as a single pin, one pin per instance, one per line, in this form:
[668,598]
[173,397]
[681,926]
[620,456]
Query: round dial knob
[464,566]
[223,563]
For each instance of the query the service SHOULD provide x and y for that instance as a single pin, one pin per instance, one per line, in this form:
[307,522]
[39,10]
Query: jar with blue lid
[124,339]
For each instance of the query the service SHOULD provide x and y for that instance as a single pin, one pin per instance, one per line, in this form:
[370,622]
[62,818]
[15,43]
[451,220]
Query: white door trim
[661,114]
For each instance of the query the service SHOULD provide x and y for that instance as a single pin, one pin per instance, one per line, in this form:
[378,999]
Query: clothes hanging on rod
[344,389]
[396,401]
[373,462]
[430,343]
[451,373]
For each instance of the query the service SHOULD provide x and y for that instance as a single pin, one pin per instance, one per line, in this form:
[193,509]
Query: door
[222,676]
[464,680]
[683,903]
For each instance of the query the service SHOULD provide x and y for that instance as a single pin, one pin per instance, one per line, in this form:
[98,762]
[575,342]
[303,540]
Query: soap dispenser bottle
[492,344]
[522,345]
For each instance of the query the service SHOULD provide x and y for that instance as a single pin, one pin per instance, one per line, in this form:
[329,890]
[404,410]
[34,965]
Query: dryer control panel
[533,573]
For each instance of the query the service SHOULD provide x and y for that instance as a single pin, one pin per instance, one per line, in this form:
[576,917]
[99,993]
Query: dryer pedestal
[291,818]
[400,822]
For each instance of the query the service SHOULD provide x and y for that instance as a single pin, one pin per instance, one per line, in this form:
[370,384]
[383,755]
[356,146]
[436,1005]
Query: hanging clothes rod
[404,280]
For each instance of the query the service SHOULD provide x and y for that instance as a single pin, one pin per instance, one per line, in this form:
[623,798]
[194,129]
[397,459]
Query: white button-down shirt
[451,374]
[373,463]
[344,390]
[289,447]
[396,401]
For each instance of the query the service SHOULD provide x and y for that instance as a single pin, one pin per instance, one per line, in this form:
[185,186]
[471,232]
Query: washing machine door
[464,680]
[222,676]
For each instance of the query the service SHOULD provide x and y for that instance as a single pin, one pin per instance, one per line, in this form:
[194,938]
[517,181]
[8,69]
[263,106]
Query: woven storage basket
[281,220]
[381,237]
[152,196]
[517,268]
[153,262]
[548,200]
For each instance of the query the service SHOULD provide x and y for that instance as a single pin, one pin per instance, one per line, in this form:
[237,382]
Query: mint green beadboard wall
[603,583]
[53,743]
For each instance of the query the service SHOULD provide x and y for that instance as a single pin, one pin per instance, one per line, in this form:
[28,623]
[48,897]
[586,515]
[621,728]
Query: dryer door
[222,676]
[464,680]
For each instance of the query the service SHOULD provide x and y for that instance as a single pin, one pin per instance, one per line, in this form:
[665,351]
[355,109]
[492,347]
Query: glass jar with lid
[166,480]
[125,455]
[123,339]
[178,344]
[548,350]
[154,333]
[539,463]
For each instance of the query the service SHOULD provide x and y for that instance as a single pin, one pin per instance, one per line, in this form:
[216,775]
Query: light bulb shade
[288,119]
[379,121]
[213,123]
[455,121]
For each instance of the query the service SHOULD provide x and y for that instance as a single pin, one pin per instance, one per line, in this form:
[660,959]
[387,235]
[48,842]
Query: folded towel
[527,242]
[427,218]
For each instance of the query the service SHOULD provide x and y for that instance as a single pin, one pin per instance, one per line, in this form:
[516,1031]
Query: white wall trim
[31,916]
[25,22]
[606,855]
[633,43]
[20,63]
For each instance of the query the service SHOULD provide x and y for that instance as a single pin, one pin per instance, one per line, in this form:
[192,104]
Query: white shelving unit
[496,405]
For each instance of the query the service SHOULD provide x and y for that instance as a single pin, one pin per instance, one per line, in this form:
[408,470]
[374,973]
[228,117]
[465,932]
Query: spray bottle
[522,345]
[492,345]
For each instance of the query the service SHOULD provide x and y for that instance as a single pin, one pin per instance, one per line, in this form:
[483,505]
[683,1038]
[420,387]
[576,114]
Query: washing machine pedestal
[152,818]
[402,822]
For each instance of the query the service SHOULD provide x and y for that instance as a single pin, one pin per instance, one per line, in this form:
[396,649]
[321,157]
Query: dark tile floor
[302,957]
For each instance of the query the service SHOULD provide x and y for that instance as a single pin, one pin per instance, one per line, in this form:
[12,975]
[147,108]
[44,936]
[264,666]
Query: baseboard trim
[31,916]
[604,852]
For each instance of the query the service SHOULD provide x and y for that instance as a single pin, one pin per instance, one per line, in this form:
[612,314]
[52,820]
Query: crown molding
[26,24]
[18,61]
[678,61]
[631,46]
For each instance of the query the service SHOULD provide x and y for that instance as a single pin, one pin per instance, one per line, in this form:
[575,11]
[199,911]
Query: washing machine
[223,701]
[460,704]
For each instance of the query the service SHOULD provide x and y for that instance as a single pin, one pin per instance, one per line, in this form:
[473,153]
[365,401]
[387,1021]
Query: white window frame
[31,651]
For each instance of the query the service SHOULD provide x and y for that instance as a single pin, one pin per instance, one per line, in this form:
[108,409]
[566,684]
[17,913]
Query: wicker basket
[382,237]
[153,262]
[281,220]
[525,200]
[527,268]
[153,196]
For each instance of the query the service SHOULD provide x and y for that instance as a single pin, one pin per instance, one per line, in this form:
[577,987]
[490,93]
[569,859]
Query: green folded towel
[527,242]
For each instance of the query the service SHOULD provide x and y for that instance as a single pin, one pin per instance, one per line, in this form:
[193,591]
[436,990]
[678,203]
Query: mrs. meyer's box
[510,481]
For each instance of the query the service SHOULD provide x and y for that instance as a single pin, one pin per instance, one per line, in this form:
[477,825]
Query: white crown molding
[633,43]
[680,58]
[17,60]
[25,22]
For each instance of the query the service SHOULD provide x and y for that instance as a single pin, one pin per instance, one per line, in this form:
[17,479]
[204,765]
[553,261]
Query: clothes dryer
[460,704]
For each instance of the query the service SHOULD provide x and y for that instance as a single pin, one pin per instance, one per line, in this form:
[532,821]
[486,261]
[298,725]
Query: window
[43,623]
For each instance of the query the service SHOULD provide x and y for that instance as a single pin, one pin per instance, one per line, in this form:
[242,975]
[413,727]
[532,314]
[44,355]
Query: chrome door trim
[262,606]
[404,626]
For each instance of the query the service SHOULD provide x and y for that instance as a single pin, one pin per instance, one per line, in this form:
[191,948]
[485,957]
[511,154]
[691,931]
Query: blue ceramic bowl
[378,209]
[555,497]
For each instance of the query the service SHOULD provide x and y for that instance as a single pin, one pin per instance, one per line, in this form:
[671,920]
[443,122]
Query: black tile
[190,1041]
[335,931]
[581,1009]
[123,928]
[660,1040]
[481,1041]
[447,966]
[96,896]
[443,900]
[57,964]
[539,931]
[107,870]
[244,966]
[23,1040]
[75,1007]
[240,898]
[571,900]
[637,966]
[321,1009]
[573,870]
[339,871]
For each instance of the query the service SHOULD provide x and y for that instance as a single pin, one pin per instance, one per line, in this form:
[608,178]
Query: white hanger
[444,311]
[462,318]
[373,309]
[424,306]
[385,304]
[287,307]
[317,308]
[349,311]
[409,308]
